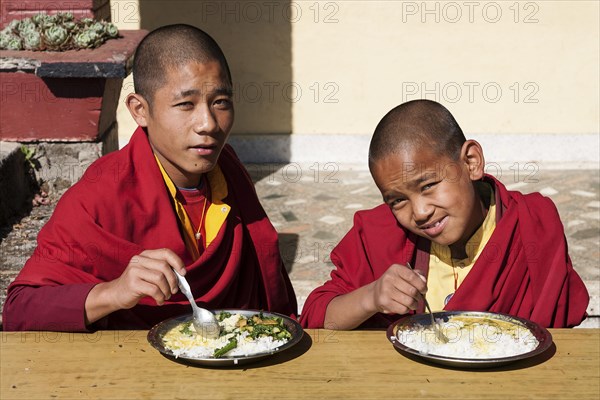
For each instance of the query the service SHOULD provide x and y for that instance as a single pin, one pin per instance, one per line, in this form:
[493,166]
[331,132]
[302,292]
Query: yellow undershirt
[443,270]
[215,215]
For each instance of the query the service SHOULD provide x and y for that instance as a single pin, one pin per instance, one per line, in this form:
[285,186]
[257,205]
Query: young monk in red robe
[474,245]
[176,197]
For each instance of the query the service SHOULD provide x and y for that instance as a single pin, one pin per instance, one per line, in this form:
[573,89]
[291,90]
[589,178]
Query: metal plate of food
[257,335]
[476,339]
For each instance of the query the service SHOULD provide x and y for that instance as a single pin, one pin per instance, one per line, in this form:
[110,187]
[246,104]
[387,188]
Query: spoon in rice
[436,329]
[204,321]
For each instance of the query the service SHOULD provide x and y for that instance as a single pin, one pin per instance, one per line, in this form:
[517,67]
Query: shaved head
[169,47]
[417,124]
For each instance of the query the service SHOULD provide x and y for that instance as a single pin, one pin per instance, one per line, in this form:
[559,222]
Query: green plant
[29,153]
[57,32]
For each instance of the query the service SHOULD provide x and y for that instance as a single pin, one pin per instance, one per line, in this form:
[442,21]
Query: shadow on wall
[256,39]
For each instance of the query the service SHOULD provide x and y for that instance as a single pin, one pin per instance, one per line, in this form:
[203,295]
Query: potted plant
[60,78]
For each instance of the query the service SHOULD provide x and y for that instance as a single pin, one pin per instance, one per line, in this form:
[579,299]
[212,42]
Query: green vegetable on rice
[227,348]
[236,333]
[187,329]
[222,315]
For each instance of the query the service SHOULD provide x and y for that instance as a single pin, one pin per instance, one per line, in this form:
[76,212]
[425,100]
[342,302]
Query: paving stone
[592,215]
[361,190]
[348,182]
[561,199]
[575,222]
[324,197]
[516,185]
[548,191]
[306,259]
[324,235]
[273,196]
[331,219]
[354,206]
[294,202]
[583,193]
[289,216]
[295,228]
[586,233]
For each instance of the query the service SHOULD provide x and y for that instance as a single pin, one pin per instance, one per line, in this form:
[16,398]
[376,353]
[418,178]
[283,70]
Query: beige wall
[354,60]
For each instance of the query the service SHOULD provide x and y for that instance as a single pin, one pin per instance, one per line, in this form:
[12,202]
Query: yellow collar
[215,215]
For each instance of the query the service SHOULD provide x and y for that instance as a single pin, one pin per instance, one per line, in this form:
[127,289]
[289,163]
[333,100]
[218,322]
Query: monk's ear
[472,155]
[138,108]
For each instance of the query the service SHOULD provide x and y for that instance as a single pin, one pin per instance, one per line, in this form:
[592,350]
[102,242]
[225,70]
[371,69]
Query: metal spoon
[436,329]
[204,321]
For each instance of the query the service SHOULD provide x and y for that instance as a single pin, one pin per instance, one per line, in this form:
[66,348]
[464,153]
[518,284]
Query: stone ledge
[111,60]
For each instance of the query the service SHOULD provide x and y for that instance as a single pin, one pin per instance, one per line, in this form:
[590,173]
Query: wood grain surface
[325,364]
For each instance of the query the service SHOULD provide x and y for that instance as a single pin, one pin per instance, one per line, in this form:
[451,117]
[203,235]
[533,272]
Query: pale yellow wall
[125,14]
[366,55]
[372,54]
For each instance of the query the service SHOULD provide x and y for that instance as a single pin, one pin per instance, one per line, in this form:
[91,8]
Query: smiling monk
[474,244]
[176,197]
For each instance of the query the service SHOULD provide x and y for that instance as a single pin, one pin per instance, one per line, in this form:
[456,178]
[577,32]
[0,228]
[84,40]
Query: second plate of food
[476,339]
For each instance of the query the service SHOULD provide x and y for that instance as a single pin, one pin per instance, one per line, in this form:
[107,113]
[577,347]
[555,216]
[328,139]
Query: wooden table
[325,364]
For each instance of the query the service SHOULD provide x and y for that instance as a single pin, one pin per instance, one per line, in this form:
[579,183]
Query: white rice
[198,347]
[475,340]
[246,346]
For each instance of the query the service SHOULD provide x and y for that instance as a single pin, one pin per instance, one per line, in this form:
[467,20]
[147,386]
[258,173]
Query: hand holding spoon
[436,329]
[204,321]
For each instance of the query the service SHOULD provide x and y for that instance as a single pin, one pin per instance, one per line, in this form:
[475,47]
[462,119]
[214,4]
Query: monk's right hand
[147,274]
[398,290]
[150,273]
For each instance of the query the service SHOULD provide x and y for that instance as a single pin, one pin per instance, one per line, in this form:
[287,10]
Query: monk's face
[190,119]
[430,195]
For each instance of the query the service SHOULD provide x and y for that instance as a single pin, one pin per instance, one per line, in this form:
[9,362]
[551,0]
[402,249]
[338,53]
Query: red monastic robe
[121,207]
[524,270]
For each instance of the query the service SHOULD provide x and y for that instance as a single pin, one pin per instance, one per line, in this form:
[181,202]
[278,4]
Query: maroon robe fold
[121,207]
[524,270]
